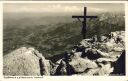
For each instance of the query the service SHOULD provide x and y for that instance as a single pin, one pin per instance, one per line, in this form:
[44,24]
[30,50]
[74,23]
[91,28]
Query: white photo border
[63,78]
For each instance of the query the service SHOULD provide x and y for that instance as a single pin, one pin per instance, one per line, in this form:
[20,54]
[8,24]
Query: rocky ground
[91,57]
[25,62]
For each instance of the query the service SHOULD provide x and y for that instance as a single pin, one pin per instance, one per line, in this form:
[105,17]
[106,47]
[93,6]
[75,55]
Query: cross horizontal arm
[84,16]
[77,16]
[91,17]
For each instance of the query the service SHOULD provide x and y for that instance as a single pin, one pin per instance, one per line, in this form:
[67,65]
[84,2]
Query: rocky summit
[25,62]
[103,55]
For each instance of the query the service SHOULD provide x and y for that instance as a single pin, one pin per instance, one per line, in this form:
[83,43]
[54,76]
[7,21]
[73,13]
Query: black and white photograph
[64,39]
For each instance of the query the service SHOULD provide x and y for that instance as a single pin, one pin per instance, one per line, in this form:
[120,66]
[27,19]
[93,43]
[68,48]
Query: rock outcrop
[25,62]
[92,57]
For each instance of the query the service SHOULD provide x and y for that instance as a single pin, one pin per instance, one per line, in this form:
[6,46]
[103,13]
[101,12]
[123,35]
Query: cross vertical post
[84,22]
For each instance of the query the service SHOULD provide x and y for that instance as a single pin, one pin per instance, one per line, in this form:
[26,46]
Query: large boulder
[25,62]
[120,66]
[80,64]
[104,69]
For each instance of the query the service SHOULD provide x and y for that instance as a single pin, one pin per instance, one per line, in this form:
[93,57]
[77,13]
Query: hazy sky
[63,8]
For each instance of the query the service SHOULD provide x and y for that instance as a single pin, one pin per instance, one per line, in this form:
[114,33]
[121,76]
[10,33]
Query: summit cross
[84,22]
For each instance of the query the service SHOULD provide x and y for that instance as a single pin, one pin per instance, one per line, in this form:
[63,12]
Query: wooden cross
[84,29]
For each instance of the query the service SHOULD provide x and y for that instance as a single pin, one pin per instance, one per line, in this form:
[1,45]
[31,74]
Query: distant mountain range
[58,37]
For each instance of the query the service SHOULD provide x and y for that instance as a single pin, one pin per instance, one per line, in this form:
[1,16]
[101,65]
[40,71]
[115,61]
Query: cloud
[96,10]
[41,8]
[60,7]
